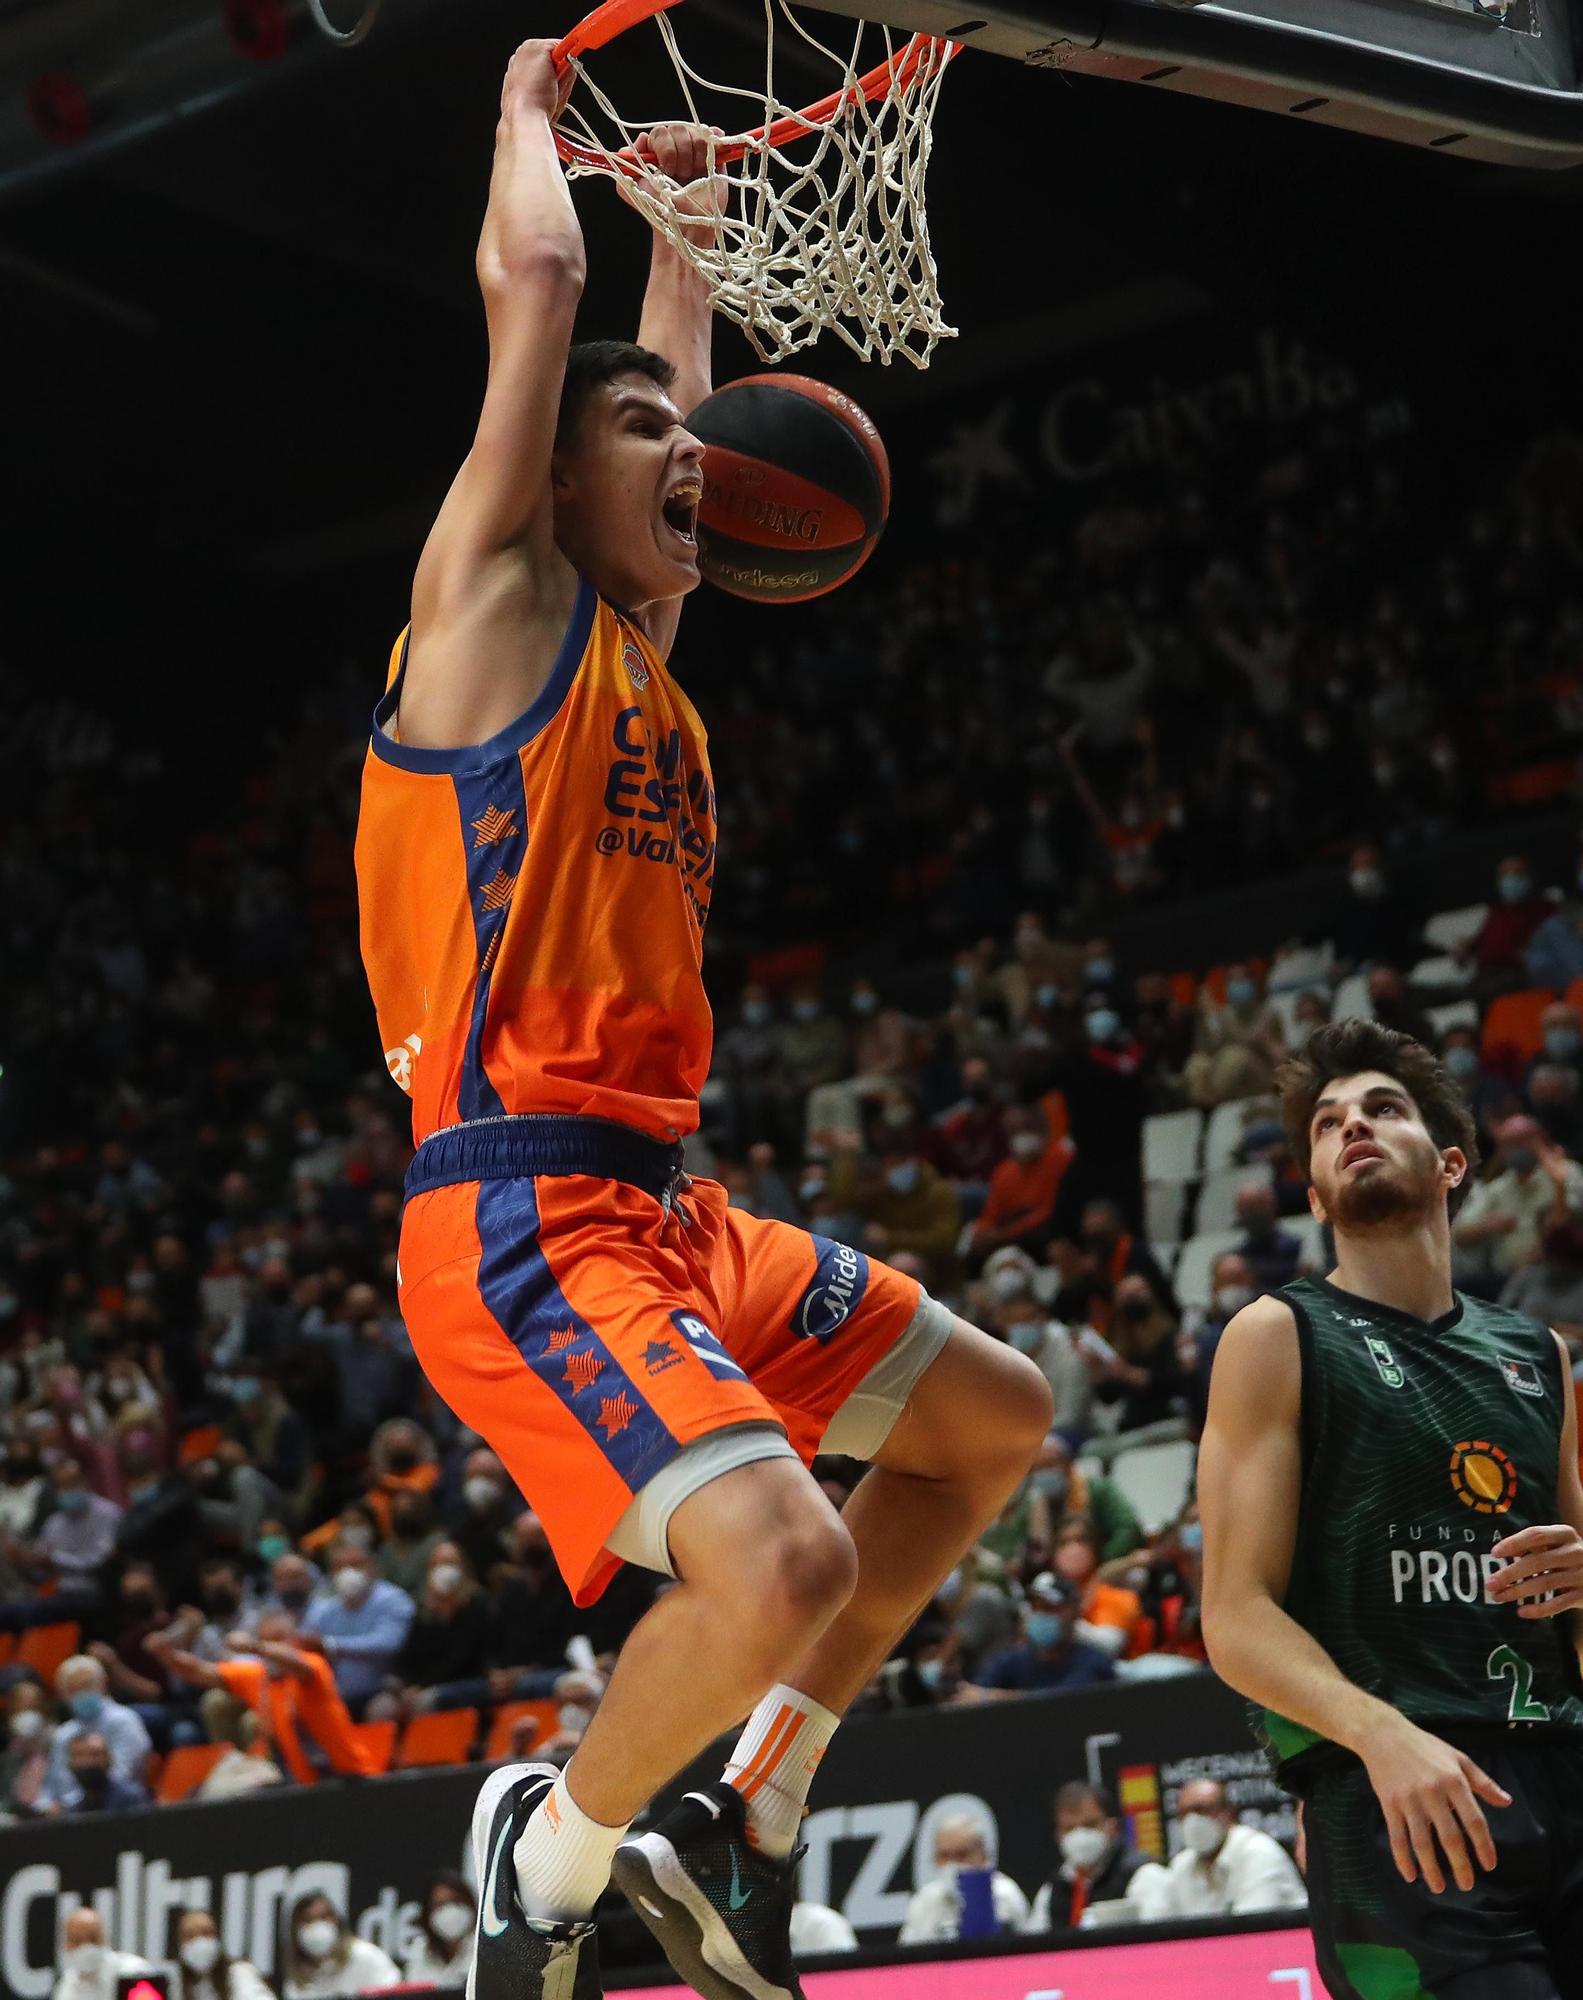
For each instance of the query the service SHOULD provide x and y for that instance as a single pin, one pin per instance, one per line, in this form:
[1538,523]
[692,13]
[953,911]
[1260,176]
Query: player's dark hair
[592,363]
[1079,1791]
[1345,1048]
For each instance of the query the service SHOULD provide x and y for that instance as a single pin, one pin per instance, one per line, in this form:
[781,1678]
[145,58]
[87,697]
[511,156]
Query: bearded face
[1373,1164]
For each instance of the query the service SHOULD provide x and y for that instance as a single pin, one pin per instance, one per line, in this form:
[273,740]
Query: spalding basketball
[796,487]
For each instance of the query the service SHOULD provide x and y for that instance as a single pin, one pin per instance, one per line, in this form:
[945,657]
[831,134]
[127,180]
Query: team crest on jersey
[1390,1369]
[637,668]
[1483,1476]
[1522,1376]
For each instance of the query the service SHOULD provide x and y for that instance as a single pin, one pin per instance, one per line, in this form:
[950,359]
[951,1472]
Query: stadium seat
[1304,969]
[1454,1014]
[440,1736]
[1311,1233]
[1513,1022]
[1217,1198]
[1440,971]
[1449,928]
[1224,1133]
[7,1647]
[1284,1007]
[1164,1211]
[45,1646]
[1156,1479]
[1184,988]
[1351,1001]
[1164,1254]
[185,1769]
[1194,1266]
[506,1719]
[1171,1142]
[379,1738]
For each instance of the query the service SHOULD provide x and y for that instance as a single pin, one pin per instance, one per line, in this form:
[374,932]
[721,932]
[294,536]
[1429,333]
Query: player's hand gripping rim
[1544,1571]
[1429,1792]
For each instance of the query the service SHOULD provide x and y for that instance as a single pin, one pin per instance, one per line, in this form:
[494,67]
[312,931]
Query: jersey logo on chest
[1390,1368]
[1521,1376]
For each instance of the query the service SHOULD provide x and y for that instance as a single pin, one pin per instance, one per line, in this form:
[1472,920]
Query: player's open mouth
[680,511]
[1356,1155]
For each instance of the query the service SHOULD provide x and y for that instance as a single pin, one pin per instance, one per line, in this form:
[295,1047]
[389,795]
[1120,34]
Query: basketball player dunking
[534,854]
[1393,1558]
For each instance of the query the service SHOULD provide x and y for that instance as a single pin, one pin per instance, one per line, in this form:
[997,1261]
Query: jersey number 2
[1523,1706]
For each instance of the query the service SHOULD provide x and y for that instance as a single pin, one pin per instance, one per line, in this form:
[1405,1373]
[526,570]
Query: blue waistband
[512,1148]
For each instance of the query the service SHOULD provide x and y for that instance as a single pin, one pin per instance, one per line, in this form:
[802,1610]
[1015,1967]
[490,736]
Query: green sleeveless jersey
[1425,1442]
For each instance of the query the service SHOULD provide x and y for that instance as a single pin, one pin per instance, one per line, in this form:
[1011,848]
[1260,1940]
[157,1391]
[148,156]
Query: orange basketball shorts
[589,1310]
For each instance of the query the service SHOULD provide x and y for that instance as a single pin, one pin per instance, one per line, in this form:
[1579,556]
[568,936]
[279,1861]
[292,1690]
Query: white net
[823,223]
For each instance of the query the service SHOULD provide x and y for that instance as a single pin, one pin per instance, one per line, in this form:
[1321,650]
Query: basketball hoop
[823,224]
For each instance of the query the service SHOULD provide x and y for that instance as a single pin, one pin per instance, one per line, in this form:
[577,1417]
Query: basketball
[796,487]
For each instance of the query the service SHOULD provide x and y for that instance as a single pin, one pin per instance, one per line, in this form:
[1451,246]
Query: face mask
[26,1724]
[1084,1847]
[357,1535]
[1366,881]
[1009,1282]
[1241,992]
[1101,971]
[805,1010]
[1027,1146]
[1051,1483]
[896,1116]
[200,1954]
[451,1921]
[1232,1298]
[74,1502]
[94,1780]
[445,1577]
[1047,995]
[1102,1024]
[1462,1062]
[272,1547]
[949,1588]
[810,1189]
[86,1707]
[1514,888]
[864,1003]
[351,1586]
[1045,1629]
[1202,1833]
[318,1938]
[1191,1536]
[1521,1159]
[1027,1336]
[755,1012]
[1443,757]
[964,975]
[480,1492]
[1561,1043]
[932,1674]
[573,1717]
[84,1959]
[904,1178]
[244,1389]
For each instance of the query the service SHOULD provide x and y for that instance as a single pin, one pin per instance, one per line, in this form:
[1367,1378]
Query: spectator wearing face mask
[1106,1096]
[203,1972]
[261,1419]
[1393,1006]
[1376,924]
[1490,1098]
[820,1211]
[1023,1189]
[415,1533]
[1551,1289]
[81,1685]
[74,1543]
[1149,1384]
[442,1950]
[1108,1252]
[813,1046]
[1073,1360]
[360,1624]
[443,1657]
[817,1931]
[905,1204]
[92,1787]
[402,1461]
[1164,1029]
[1553,956]
[490,1504]
[1226,1869]
[1067,1490]
[290,1692]
[89,1969]
[934,1916]
[1274,1255]
[1556,1101]
[747,1060]
[1236,1044]
[1497,949]
[534,1615]
[324,1960]
[972,1132]
[1233,1285]
[25,1757]
[1050,1656]
[1109,1615]
[1562,1040]
[1500,1226]
[355,1524]
[1096,1866]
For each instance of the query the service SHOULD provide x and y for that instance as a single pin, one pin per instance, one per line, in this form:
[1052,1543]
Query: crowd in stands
[242,1540]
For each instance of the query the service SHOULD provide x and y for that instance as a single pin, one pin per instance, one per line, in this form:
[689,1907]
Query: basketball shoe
[518,1957]
[720,1909]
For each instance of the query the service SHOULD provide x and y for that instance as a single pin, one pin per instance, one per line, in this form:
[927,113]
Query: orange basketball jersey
[532,908]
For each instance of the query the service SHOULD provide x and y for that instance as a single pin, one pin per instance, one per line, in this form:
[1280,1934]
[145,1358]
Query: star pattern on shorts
[583,1370]
[562,1338]
[497,890]
[615,1413]
[495,825]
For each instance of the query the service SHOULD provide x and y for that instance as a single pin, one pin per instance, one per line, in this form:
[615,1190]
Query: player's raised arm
[1250,1471]
[490,556]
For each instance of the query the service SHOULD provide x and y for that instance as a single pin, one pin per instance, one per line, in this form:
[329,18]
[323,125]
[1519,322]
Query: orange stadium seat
[1574,995]
[506,1719]
[1513,1022]
[7,1647]
[45,1646]
[185,1769]
[203,1442]
[379,1738]
[1184,988]
[444,1736]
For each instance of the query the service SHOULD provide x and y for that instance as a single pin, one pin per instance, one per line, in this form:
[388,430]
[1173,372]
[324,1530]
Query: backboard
[1484,79]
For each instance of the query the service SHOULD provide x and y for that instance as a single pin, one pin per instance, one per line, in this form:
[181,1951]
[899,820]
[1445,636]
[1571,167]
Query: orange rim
[614,17]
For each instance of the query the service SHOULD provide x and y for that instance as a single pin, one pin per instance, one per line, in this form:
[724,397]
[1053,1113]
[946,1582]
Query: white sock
[563,1858]
[774,1761]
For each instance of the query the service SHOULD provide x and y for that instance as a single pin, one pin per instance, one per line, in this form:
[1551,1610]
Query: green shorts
[1517,1934]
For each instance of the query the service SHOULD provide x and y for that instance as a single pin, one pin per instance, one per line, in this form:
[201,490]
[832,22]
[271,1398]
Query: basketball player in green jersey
[1393,1558]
